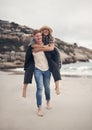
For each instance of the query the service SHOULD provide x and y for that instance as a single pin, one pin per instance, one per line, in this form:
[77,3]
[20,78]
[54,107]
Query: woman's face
[45,32]
[38,37]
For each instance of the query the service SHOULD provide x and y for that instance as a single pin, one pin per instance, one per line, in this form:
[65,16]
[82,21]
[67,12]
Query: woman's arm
[37,46]
[49,47]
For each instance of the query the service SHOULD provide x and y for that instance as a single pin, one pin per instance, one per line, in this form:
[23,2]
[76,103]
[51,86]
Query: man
[36,62]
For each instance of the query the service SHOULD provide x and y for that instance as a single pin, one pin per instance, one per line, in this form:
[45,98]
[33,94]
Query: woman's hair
[47,28]
[36,31]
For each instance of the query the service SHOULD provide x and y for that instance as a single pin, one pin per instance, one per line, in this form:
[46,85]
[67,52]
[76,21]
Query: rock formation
[14,40]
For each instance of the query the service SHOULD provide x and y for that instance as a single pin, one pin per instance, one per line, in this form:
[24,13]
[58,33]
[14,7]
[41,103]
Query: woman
[48,40]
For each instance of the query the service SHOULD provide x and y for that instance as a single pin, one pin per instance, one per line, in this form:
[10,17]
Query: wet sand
[71,110]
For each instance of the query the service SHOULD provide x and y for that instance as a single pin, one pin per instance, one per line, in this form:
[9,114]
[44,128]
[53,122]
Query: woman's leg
[57,78]
[27,79]
[24,90]
[57,87]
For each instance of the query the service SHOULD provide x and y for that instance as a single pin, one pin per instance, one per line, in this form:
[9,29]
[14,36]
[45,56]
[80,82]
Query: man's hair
[36,31]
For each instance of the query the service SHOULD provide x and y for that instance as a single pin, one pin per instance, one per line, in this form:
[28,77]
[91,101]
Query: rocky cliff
[14,40]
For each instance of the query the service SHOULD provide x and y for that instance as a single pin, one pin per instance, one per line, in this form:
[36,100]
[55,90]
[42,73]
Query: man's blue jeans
[42,79]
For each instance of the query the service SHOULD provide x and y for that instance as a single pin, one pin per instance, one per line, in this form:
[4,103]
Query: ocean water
[72,69]
[78,68]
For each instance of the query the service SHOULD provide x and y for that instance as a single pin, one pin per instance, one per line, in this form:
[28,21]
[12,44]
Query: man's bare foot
[40,112]
[48,105]
[57,90]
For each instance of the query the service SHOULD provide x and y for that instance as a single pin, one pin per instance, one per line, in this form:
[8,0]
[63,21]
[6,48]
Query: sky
[71,20]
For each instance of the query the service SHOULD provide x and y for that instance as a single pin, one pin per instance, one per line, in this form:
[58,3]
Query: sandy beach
[71,110]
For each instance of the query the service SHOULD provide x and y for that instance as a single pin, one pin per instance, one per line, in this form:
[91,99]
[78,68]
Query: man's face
[38,37]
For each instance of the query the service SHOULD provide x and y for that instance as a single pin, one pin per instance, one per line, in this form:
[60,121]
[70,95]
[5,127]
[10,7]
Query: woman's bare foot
[24,93]
[57,87]
[57,90]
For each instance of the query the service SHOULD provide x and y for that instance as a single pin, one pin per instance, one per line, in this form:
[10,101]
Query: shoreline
[15,72]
